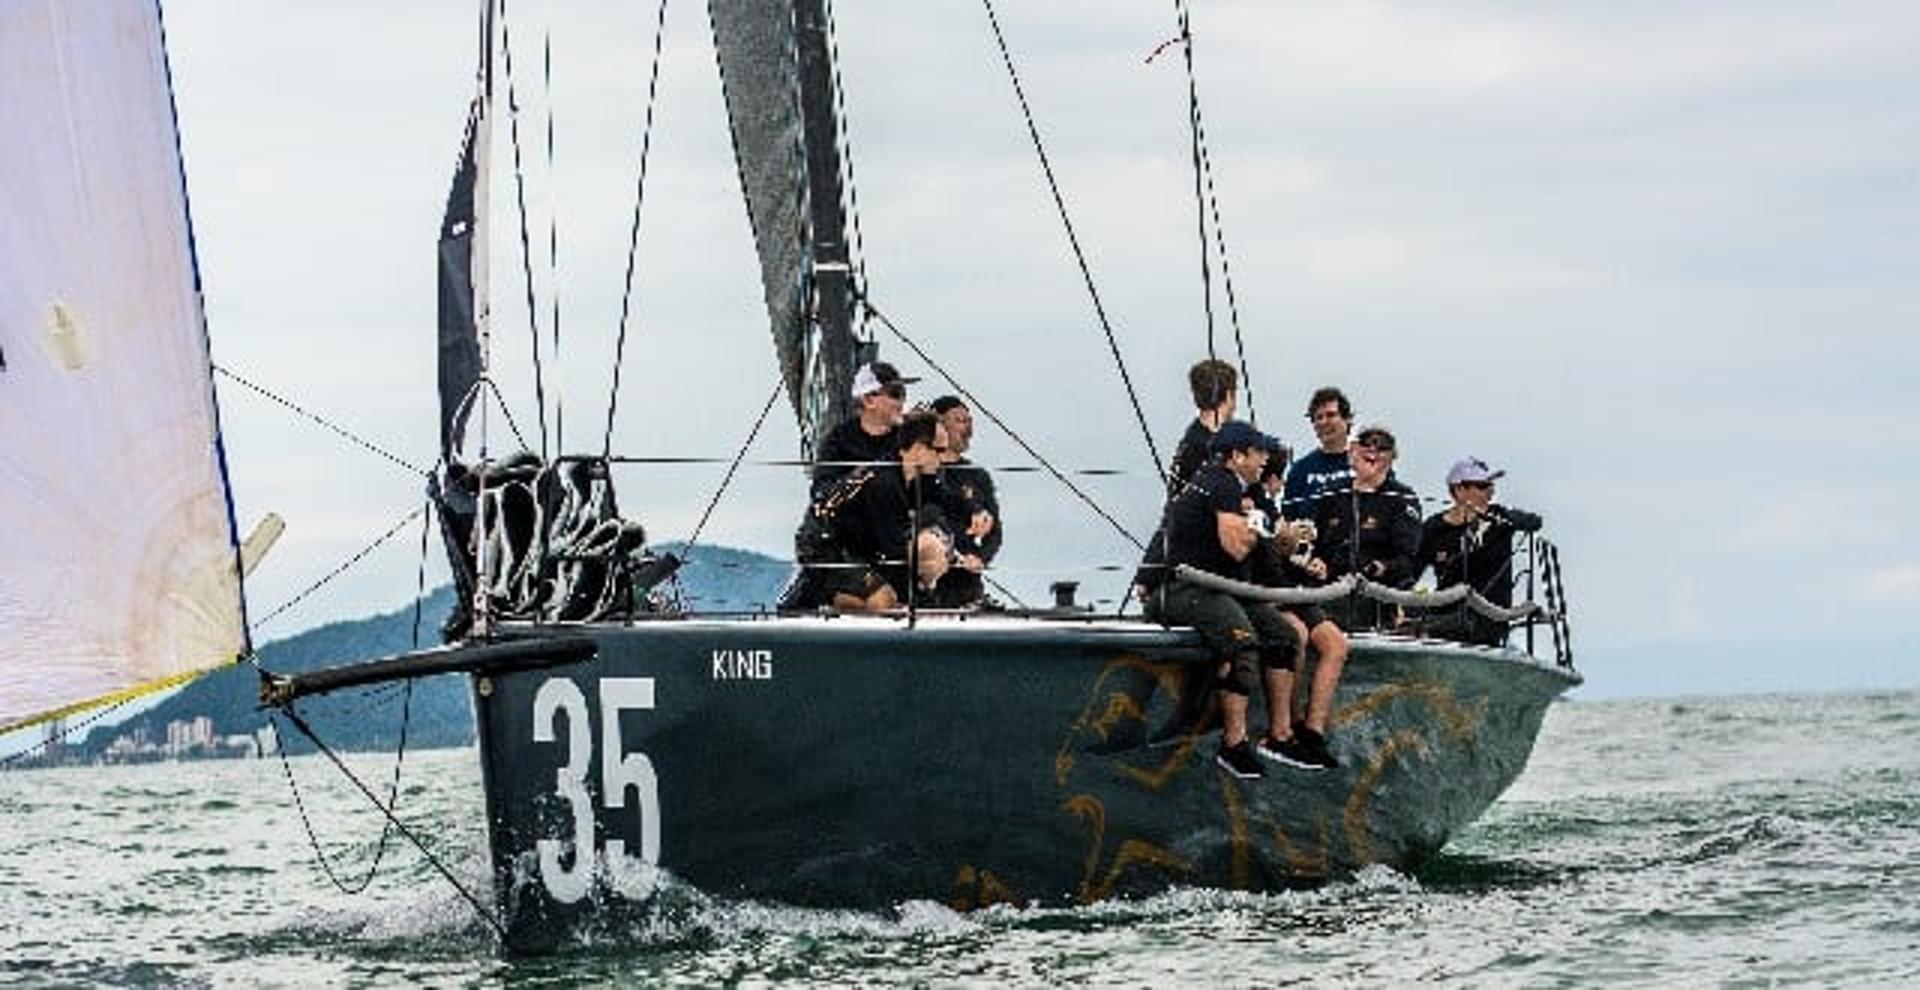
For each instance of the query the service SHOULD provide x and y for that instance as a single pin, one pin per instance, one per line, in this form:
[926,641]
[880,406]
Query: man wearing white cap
[867,437]
[1471,543]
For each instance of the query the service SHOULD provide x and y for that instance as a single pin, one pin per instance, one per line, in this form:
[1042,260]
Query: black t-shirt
[849,443]
[1189,455]
[1478,553]
[1358,529]
[1192,527]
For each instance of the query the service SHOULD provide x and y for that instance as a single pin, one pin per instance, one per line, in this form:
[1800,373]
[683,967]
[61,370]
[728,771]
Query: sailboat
[627,745]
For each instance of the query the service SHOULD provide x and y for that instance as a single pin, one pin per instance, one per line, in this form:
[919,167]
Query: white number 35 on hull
[631,876]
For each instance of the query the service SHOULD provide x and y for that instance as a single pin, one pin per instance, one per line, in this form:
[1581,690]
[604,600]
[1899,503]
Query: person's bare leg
[1279,684]
[1233,710]
[1331,644]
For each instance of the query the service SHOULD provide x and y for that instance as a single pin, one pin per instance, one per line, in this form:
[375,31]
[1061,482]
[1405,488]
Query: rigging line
[345,433]
[400,753]
[846,151]
[440,867]
[526,241]
[512,424]
[752,435]
[1073,239]
[1219,230]
[553,232]
[788,462]
[975,404]
[1199,201]
[633,234]
[337,571]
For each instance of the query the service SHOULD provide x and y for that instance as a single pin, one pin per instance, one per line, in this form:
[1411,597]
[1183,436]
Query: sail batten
[121,571]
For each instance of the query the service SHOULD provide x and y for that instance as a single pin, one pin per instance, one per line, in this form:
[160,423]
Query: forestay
[120,572]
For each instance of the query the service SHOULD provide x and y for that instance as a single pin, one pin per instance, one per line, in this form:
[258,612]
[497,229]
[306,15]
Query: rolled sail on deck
[118,568]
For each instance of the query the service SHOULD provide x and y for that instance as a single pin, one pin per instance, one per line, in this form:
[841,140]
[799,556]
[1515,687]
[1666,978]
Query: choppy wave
[1705,840]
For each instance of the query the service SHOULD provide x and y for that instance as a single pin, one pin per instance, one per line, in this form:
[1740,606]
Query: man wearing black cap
[867,437]
[1471,543]
[1207,528]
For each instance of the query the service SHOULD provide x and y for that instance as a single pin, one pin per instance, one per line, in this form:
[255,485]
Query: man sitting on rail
[1207,528]
[1471,543]
[866,437]
[1281,562]
[1372,530]
[877,537]
[968,499]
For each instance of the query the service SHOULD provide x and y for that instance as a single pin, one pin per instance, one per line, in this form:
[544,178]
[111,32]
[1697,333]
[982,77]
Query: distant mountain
[713,579]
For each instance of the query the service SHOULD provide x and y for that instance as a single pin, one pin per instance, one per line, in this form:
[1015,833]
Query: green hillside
[714,579]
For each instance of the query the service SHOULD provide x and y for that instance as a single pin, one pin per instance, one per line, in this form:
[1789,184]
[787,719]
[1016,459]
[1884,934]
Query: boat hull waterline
[850,762]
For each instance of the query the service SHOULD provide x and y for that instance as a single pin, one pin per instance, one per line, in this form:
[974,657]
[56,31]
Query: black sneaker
[1239,761]
[1273,749]
[1307,750]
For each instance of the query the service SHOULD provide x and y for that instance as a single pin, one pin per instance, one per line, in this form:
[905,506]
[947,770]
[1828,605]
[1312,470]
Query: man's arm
[1236,537]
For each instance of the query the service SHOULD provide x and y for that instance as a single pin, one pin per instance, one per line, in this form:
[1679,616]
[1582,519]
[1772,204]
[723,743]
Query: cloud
[1898,583]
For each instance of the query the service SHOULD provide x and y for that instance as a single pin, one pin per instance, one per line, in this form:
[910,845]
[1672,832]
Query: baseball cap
[1238,435]
[873,377]
[1471,470]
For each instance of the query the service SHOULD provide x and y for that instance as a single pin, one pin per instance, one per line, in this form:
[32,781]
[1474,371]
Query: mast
[777,71]
[462,344]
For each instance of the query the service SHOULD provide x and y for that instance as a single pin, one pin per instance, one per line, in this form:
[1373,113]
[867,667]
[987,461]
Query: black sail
[460,290]
[777,75]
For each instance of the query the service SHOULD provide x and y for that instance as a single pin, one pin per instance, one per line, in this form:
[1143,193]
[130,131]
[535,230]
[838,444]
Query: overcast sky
[1656,260]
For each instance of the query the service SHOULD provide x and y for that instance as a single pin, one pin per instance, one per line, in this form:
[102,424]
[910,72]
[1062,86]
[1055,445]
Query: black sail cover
[459,337]
[777,82]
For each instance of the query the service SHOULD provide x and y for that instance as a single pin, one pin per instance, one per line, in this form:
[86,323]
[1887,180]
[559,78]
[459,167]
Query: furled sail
[777,74]
[119,571]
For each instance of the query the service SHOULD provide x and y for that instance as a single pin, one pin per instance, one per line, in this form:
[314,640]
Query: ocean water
[1716,840]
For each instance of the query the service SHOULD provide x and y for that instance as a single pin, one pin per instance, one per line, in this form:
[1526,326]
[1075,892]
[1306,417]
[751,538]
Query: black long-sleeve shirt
[1375,534]
[1477,553]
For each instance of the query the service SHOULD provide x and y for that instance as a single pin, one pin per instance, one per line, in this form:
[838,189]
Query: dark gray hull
[856,762]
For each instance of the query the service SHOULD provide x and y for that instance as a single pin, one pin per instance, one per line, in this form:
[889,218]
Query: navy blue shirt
[1311,476]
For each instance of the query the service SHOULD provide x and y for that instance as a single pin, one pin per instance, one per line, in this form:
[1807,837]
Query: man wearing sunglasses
[866,438]
[1372,530]
[878,536]
[1471,543]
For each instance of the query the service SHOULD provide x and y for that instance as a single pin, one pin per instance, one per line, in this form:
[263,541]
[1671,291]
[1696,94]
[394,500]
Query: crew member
[1373,530]
[967,498]
[1471,543]
[1326,470]
[866,437]
[1281,562]
[877,537]
[1208,528]
[1216,393]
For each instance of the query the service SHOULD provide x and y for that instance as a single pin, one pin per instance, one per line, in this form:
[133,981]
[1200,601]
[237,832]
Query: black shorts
[1309,615]
[1234,629]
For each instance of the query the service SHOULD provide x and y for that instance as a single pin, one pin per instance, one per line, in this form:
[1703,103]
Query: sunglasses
[1482,486]
[1377,445]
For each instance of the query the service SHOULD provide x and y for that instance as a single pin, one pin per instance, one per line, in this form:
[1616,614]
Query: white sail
[118,567]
